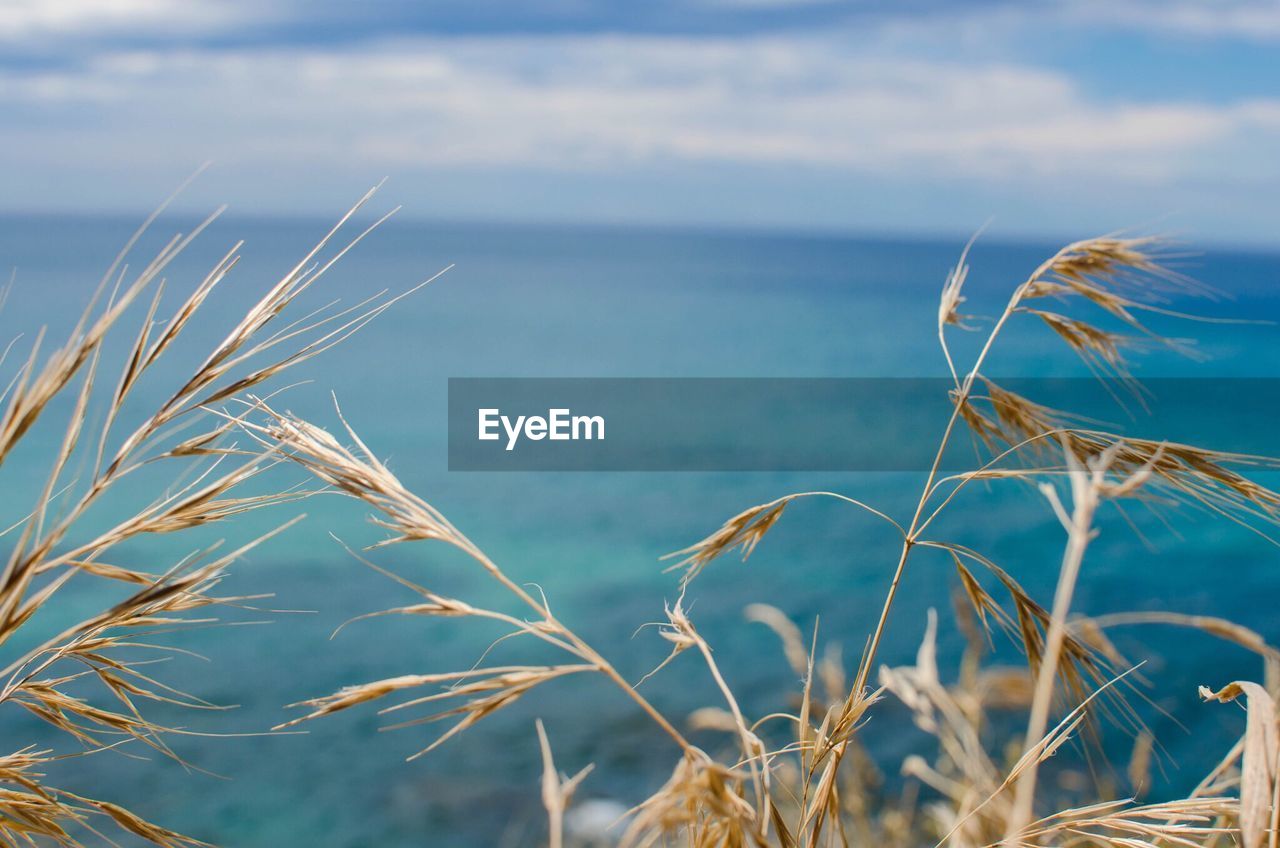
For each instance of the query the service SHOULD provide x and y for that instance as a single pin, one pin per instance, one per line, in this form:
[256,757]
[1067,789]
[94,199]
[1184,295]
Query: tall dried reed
[92,681]
[814,785]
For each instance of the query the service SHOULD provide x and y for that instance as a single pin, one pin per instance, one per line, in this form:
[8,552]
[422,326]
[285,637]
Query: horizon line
[834,231]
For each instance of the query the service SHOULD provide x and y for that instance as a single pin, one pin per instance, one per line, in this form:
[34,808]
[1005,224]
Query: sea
[561,301]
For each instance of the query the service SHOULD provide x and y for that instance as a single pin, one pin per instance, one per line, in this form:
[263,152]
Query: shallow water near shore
[564,302]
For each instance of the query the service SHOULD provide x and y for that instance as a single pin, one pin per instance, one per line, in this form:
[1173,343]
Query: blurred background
[700,188]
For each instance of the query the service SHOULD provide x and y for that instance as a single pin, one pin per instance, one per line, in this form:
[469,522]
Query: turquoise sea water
[599,302]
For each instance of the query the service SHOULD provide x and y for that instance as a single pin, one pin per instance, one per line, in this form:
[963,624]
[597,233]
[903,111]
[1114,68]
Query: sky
[912,117]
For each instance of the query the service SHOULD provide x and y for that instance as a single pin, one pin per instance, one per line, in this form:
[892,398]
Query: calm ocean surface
[583,302]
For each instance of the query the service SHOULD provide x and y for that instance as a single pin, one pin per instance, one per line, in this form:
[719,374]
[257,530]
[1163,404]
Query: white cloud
[1200,19]
[795,131]
[1222,21]
[596,102]
[26,19]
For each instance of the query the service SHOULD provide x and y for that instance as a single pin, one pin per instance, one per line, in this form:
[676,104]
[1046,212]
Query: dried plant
[91,681]
[800,776]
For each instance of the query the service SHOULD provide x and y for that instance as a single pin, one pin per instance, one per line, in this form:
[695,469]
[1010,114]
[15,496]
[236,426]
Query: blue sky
[915,116]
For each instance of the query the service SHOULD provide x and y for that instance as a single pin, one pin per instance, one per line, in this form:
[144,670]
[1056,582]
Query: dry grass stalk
[1088,488]
[557,791]
[87,681]
[356,472]
[811,784]
[1259,760]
